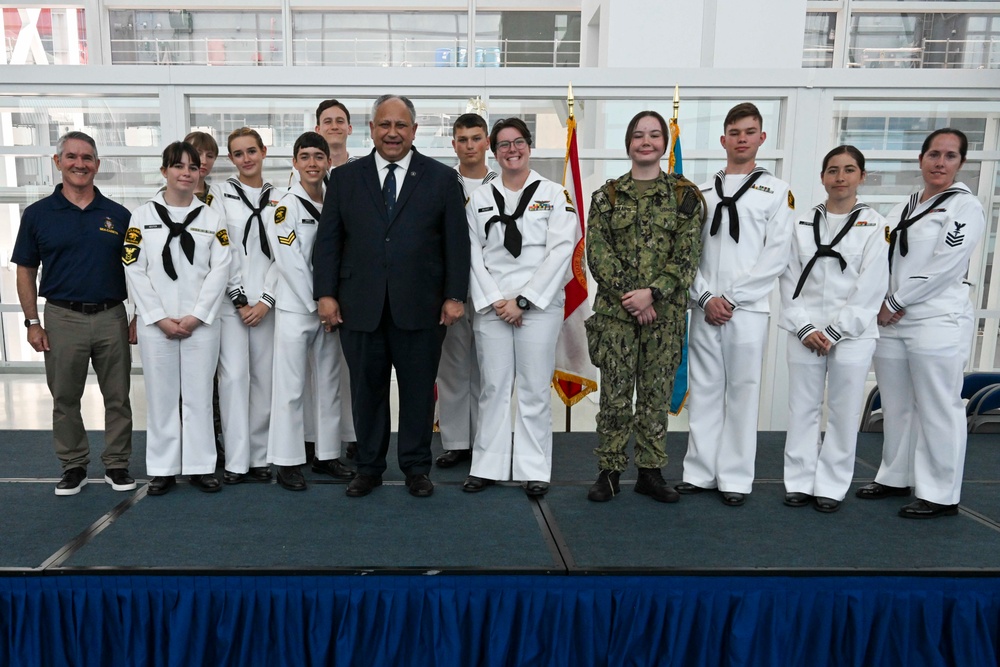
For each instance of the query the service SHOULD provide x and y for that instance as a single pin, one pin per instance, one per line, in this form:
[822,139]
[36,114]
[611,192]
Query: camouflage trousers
[639,360]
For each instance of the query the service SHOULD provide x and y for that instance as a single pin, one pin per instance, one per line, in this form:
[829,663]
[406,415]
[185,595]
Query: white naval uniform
[725,361]
[301,344]
[842,304]
[178,442]
[246,356]
[347,433]
[920,361]
[458,371]
[549,230]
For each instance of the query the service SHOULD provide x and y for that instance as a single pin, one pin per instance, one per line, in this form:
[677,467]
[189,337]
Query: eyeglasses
[518,143]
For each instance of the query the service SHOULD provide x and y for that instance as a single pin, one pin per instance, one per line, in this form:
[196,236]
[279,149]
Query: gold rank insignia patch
[287,240]
[888,233]
[130,254]
[791,200]
[223,237]
[279,215]
[133,236]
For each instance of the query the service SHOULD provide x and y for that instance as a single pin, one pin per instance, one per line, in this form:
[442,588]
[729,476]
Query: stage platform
[569,581]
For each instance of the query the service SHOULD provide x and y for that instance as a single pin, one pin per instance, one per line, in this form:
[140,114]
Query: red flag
[575,376]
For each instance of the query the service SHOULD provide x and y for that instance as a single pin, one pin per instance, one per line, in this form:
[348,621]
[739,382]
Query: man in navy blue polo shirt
[76,234]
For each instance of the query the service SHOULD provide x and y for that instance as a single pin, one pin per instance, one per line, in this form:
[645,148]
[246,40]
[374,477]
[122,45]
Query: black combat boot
[650,483]
[605,488]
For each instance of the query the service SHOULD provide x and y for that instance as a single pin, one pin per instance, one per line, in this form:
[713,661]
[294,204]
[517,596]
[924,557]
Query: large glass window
[192,37]
[954,40]
[44,35]
[435,39]
[889,125]
[821,29]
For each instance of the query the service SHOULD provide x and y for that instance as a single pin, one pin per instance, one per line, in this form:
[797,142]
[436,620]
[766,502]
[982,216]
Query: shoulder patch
[279,215]
[791,200]
[287,240]
[223,236]
[133,236]
[888,234]
[130,254]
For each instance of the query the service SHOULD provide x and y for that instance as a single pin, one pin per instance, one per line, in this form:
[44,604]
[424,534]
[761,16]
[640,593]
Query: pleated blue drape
[491,620]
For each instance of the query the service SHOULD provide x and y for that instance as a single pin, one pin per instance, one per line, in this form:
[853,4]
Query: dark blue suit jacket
[420,256]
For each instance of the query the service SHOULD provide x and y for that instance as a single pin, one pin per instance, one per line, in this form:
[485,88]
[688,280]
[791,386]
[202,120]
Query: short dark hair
[503,124]
[243,132]
[635,121]
[858,156]
[173,153]
[326,104]
[80,136]
[310,140]
[741,111]
[963,141]
[468,121]
[203,141]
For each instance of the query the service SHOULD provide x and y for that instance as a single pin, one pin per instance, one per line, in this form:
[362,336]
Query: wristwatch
[656,293]
[29,322]
[240,300]
[522,303]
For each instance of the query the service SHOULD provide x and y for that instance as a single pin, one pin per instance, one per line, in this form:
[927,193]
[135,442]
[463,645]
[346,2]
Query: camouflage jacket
[654,241]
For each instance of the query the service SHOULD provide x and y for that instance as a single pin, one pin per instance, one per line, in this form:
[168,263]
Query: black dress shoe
[160,485]
[796,499]
[876,491]
[925,509]
[260,474]
[290,477]
[335,469]
[233,477]
[206,483]
[733,499]
[688,489]
[606,487]
[650,483]
[536,489]
[420,486]
[474,484]
[827,505]
[453,457]
[362,485]
[352,451]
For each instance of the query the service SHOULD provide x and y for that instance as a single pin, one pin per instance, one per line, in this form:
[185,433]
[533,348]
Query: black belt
[82,307]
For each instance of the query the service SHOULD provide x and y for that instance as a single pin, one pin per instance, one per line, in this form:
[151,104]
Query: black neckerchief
[511,234]
[826,250]
[730,204]
[265,197]
[905,223]
[177,229]
[310,208]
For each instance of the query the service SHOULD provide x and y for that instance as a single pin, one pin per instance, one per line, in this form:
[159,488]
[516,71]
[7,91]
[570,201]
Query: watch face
[522,303]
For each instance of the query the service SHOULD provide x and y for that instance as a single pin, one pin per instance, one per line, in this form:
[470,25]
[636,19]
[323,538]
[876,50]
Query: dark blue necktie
[389,188]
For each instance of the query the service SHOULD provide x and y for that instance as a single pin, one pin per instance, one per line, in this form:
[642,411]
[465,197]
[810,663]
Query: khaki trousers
[75,340]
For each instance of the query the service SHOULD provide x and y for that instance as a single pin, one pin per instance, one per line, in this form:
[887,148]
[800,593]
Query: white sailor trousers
[302,350]
[347,433]
[458,385]
[525,355]
[724,384]
[814,464]
[246,358]
[180,437]
[919,366]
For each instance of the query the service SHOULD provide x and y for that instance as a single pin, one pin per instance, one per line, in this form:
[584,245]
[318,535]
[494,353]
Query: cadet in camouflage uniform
[643,247]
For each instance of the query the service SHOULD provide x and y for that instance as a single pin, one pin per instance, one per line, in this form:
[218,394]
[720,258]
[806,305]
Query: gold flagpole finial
[677,101]
[570,99]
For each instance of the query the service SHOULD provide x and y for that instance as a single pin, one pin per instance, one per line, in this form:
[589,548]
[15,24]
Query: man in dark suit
[391,268]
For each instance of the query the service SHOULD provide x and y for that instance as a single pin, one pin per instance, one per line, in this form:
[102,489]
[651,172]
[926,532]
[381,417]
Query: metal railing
[935,53]
[345,52]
